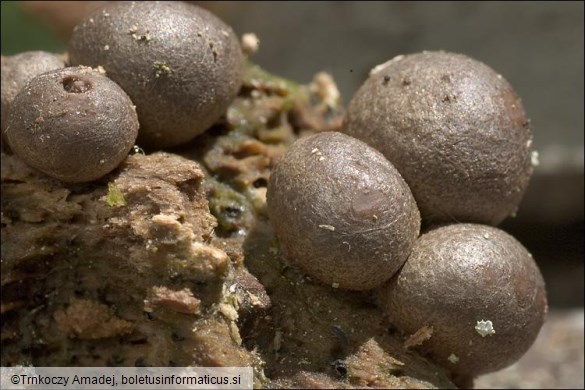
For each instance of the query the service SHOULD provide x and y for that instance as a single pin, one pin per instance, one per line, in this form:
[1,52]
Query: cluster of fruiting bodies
[434,139]
[160,71]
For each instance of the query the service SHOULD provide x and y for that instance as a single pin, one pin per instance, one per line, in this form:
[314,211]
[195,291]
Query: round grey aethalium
[480,291]
[341,211]
[19,69]
[74,124]
[179,63]
[453,128]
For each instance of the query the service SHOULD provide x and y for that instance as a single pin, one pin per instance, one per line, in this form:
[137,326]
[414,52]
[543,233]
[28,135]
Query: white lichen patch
[324,88]
[228,311]
[235,333]
[453,358]
[485,328]
[395,361]
[534,159]
[250,43]
[327,227]
[254,300]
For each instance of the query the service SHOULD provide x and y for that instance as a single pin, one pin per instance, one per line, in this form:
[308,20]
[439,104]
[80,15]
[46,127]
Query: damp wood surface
[170,260]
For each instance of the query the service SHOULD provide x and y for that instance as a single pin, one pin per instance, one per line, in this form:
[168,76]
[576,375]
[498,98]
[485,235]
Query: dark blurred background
[536,46]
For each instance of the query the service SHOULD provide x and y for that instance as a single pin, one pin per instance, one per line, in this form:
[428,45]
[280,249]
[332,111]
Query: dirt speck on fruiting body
[379,68]
[485,328]
[100,69]
[161,69]
[534,159]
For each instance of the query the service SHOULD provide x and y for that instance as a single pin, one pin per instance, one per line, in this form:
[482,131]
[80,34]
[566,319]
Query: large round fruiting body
[18,70]
[180,64]
[454,129]
[341,211]
[480,291]
[73,124]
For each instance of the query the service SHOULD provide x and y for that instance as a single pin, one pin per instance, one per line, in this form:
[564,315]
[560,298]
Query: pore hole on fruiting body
[73,84]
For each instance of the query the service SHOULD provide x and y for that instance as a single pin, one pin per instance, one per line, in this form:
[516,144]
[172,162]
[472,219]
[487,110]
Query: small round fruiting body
[341,211]
[179,63]
[477,288]
[74,124]
[18,70]
[454,129]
